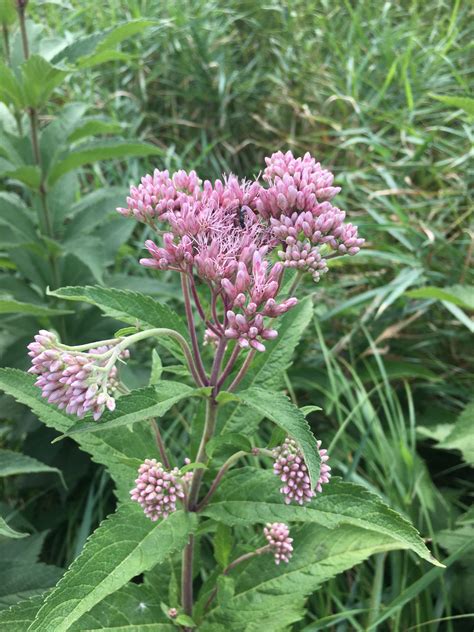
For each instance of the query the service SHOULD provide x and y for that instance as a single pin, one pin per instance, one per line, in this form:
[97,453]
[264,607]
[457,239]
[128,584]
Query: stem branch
[219,476]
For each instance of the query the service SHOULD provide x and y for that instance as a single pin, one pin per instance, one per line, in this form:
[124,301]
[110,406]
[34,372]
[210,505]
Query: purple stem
[161,445]
[236,562]
[242,371]
[192,331]
[197,302]
[220,474]
[229,366]
[187,577]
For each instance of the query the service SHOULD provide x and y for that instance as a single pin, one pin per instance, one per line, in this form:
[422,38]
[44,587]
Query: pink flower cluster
[290,466]
[225,234]
[157,490]
[277,535]
[74,381]
[158,194]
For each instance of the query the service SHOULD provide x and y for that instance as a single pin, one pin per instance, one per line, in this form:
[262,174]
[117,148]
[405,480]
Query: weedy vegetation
[377,356]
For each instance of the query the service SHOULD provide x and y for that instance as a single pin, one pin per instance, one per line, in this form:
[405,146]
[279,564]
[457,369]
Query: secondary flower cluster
[79,382]
[277,535]
[229,232]
[157,489]
[290,466]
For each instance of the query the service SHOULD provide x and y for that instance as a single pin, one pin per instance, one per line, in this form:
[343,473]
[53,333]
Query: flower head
[158,194]
[290,466]
[77,382]
[277,535]
[157,489]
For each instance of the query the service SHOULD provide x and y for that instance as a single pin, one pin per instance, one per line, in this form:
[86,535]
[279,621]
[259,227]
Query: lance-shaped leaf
[250,496]
[13,463]
[130,307]
[130,609]
[279,409]
[21,580]
[40,78]
[123,546]
[103,150]
[267,368]
[118,449]
[271,597]
[139,405]
[462,436]
[7,532]
[9,305]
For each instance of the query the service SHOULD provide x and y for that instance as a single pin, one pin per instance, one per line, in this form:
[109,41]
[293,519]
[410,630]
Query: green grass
[219,85]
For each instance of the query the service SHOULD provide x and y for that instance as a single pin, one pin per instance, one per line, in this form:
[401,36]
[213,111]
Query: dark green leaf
[103,150]
[124,545]
[279,409]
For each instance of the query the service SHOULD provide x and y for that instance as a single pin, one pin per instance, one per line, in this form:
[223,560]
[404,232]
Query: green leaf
[94,127]
[124,31]
[11,90]
[20,616]
[139,405]
[8,532]
[28,174]
[268,368]
[279,409]
[103,57]
[40,78]
[461,295]
[130,609]
[14,215]
[9,305]
[231,440]
[462,435]
[20,580]
[130,307]
[124,545]
[460,103]
[13,463]
[156,368]
[118,449]
[103,150]
[7,12]
[222,543]
[251,496]
[271,597]
[90,251]
[88,45]
[184,620]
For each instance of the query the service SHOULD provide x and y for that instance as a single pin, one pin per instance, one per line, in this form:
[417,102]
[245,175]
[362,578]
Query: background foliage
[380,93]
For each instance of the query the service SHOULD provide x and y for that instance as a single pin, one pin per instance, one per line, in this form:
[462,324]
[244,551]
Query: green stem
[236,562]
[219,476]
[6,42]
[33,115]
[209,427]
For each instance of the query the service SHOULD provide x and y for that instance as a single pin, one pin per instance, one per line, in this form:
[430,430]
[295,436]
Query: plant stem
[209,427]
[192,330]
[229,366]
[33,115]
[187,577]
[6,42]
[242,371]
[295,283]
[161,444]
[236,562]
[220,474]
